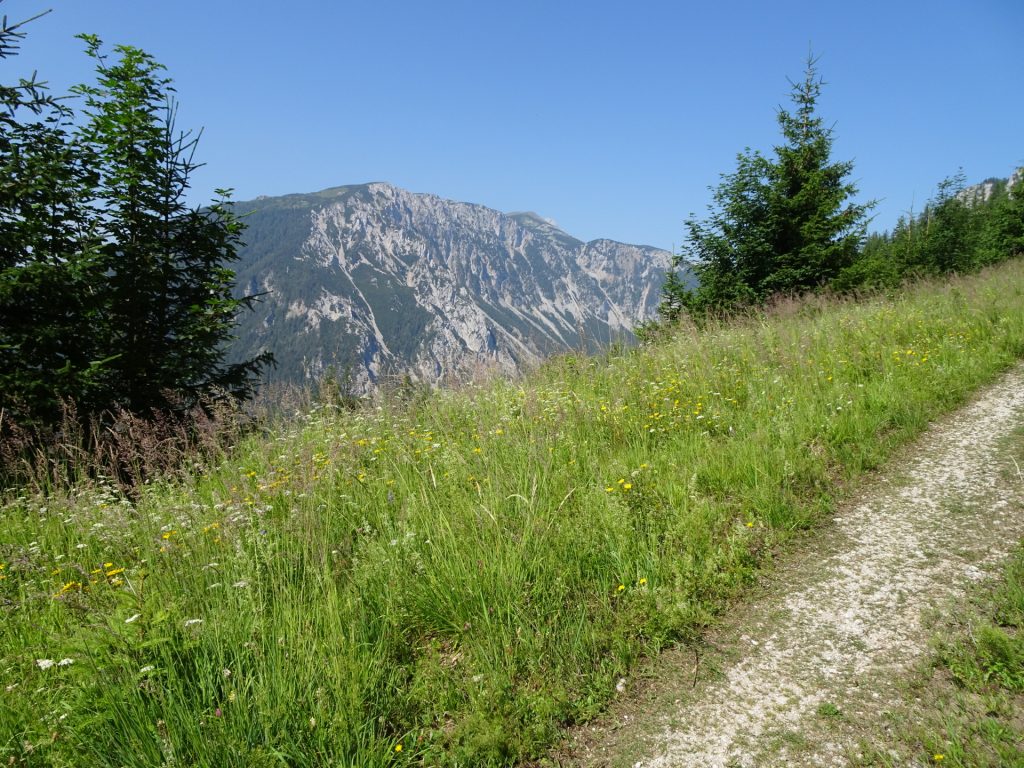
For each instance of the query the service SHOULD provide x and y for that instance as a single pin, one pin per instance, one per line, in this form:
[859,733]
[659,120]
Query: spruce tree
[49,268]
[1003,233]
[114,292]
[777,225]
[168,309]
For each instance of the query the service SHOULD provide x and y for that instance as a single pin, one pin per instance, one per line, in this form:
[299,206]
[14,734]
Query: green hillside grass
[450,581]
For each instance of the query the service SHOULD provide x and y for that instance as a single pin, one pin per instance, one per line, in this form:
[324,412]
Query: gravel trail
[839,625]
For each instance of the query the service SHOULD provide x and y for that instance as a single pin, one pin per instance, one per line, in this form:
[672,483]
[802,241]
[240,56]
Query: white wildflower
[190,622]
[65,662]
[45,663]
[132,618]
[147,668]
[242,584]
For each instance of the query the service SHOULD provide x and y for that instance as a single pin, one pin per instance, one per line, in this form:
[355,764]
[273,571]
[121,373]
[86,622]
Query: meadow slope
[819,669]
[452,578]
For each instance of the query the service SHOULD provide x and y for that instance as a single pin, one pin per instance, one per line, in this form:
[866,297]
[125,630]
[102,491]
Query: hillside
[377,281]
[827,665]
[453,580]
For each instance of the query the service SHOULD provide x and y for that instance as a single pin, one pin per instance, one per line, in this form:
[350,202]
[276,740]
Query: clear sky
[612,118]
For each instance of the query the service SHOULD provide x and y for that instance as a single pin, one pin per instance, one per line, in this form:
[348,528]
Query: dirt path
[823,649]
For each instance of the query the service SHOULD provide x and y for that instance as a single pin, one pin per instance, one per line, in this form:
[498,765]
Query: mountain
[375,281]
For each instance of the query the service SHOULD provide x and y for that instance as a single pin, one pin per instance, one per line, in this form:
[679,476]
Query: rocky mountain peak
[375,280]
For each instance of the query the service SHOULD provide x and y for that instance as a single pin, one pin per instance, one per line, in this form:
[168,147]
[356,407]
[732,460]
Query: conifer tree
[777,225]
[168,308]
[114,292]
[48,254]
[1002,236]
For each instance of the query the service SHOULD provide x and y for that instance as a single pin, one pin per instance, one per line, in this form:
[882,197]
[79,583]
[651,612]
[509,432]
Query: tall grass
[450,581]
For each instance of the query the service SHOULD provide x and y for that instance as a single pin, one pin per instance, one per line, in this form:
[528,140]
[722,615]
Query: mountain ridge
[375,280]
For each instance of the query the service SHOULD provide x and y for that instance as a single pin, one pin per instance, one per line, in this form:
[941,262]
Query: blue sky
[611,118]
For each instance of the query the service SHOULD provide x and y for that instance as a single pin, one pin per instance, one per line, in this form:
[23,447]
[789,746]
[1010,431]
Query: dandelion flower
[398,747]
[643,582]
[620,588]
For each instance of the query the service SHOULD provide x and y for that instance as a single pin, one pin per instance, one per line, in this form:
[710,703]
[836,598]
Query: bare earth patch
[803,674]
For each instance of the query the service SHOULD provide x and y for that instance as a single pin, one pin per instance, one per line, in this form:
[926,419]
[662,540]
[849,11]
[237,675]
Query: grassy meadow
[450,579]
